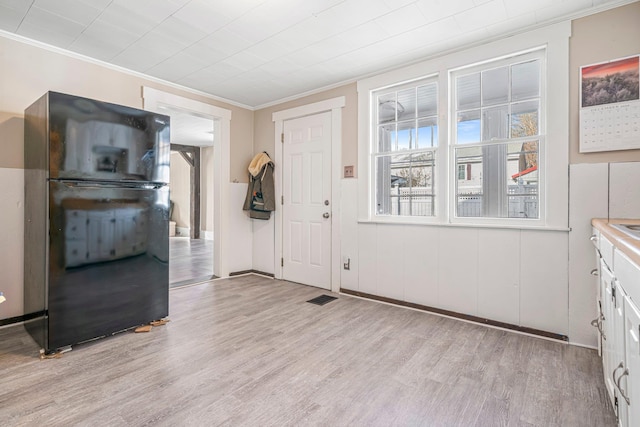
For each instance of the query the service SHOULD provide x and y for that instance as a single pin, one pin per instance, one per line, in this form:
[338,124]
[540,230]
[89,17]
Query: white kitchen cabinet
[619,327]
[99,235]
[618,358]
[630,379]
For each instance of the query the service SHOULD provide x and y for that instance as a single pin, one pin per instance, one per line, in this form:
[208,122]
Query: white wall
[598,190]
[264,258]
[241,231]
[507,275]
[12,242]
[180,187]
[206,192]
[588,199]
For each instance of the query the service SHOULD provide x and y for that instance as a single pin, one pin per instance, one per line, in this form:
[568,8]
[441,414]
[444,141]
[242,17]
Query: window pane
[468,91]
[406,122]
[524,119]
[405,184]
[523,188]
[495,123]
[406,135]
[468,127]
[502,183]
[462,172]
[427,133]
[386,138]
[469,191]
[427,100]
[387,108]
[384,183]
[525,170]
[525,80]
[421,195]
[495,86]
[407,104]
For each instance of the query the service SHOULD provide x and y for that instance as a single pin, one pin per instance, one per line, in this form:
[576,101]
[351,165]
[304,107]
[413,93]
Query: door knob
[325,215]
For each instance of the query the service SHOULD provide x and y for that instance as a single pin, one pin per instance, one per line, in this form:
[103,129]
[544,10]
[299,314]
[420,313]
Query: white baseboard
[186,232]
[183,231]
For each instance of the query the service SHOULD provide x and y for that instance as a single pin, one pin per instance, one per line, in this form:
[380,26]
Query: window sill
[463,225]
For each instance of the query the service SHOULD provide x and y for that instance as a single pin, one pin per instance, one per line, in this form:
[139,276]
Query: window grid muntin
[480,108]
[529,57]
[416,146]
[428,193]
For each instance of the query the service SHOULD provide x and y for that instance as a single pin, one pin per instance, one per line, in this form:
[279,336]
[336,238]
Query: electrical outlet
[346,262]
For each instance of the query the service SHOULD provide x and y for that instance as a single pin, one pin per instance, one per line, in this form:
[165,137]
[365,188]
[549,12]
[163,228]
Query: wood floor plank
[252,351]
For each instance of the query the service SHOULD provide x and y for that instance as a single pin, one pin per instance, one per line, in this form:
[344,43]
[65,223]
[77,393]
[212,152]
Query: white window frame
[374,153]
[523,56]
[554,214]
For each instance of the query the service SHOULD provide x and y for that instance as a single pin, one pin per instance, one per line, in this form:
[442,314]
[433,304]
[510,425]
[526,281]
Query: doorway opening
[214,165]
[191,227]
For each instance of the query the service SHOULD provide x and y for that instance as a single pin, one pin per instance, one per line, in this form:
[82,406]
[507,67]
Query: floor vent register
[322,299]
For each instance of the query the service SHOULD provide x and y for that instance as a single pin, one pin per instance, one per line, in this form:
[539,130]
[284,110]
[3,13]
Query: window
[464,172]
[497,137]
[500,147]
[403,154]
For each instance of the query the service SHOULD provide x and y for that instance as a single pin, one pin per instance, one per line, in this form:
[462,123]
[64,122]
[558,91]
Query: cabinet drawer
[628,274]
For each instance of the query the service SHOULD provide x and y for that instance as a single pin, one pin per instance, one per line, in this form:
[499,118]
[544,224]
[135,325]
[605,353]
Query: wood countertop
[629,245]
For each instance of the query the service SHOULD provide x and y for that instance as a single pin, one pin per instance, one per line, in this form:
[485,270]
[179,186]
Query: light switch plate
[348,171]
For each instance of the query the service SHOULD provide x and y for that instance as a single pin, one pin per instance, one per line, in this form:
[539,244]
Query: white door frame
[335,106]
[153,101]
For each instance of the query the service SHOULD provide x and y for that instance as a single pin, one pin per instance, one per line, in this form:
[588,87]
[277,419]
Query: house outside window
[403,155]
[497,135]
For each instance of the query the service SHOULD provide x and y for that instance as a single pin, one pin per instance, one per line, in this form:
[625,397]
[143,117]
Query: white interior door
[306,176]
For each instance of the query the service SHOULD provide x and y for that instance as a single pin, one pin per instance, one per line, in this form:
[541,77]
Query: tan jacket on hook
[260,200]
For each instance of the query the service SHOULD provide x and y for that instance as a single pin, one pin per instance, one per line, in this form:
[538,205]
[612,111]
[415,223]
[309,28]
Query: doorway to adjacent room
[199,170]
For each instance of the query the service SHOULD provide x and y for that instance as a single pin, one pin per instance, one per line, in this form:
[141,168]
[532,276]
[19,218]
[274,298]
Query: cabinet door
[606,281]
[101,233]
[619,350]
[630,384]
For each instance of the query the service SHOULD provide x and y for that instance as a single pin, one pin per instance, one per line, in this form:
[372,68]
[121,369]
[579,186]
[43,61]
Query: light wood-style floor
[190,260]
[250,351]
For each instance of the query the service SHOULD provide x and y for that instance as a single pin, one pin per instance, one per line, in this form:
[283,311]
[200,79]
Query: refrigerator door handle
[132,185]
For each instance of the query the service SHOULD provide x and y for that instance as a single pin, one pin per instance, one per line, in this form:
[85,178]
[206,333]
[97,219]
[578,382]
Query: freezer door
[109,260]
[92,140]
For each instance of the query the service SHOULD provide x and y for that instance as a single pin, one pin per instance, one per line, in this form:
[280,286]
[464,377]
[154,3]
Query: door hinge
[282,138]
[282,200]
[281,262]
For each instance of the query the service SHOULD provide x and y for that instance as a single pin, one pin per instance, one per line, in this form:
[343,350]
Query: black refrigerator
[96,219]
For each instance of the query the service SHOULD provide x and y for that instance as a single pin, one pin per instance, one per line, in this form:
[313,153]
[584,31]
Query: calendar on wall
[610,106]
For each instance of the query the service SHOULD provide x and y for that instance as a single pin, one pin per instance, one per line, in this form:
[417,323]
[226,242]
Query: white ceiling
[189,129]
[257,52]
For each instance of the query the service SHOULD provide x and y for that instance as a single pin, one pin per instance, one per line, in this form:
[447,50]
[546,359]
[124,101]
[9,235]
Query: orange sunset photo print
[610,82]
